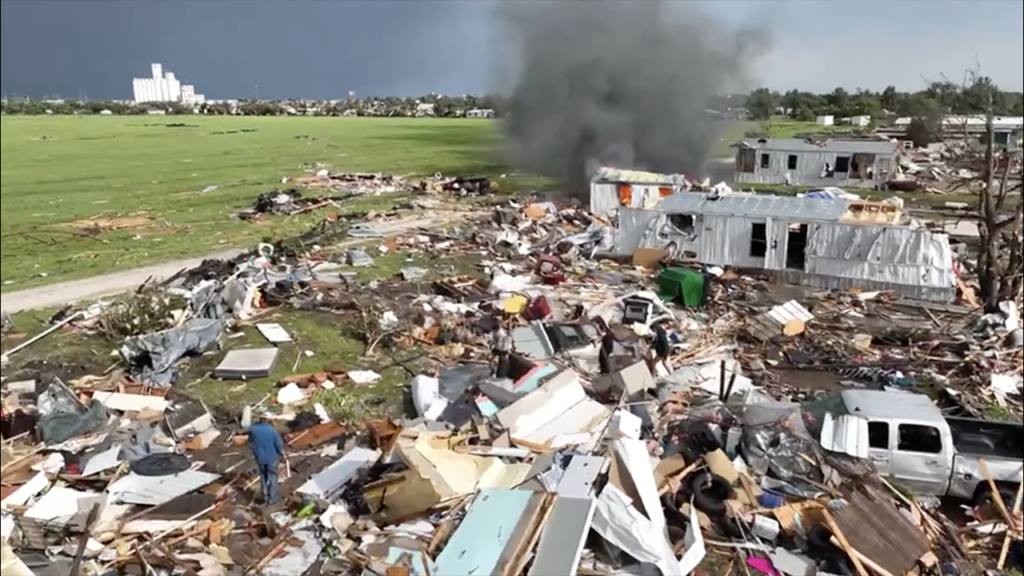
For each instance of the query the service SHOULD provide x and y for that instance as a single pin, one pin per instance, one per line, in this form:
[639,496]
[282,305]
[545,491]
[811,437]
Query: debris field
[572,411]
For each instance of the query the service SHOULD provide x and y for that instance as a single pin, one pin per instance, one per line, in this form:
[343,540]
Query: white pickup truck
[914,444]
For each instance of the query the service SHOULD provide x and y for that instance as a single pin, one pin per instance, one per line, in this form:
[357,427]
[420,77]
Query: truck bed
[985,438]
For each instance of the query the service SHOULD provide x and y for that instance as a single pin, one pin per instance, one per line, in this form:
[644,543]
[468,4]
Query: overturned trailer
[832,244]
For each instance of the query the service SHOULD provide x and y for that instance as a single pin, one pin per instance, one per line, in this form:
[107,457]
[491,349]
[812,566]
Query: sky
[322,49]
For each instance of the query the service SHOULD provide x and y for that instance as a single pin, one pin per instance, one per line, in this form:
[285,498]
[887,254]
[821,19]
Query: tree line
[430,105]
[977,96]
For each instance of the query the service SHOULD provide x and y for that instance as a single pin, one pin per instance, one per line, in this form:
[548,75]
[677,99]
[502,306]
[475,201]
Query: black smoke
[616,82]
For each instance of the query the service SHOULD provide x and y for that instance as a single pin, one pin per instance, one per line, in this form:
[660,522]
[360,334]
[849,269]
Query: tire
[983,496]
[160,465]
[710,492]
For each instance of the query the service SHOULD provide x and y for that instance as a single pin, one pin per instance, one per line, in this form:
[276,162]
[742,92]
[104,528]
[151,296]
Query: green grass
[57,171]
[733,132]
[328,336]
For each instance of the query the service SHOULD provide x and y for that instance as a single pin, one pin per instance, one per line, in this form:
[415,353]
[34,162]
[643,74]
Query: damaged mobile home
[832,244]
[614,188]
[829,162]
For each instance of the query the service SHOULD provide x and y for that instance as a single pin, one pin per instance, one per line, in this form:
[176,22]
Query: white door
[880,446]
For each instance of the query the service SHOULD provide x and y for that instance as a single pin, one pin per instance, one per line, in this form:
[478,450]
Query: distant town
[890,112]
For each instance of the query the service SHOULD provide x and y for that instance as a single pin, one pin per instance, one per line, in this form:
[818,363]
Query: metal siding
[810,164]
[155,490]
[717,242]
[616,176]
[604,198]
[777,234]
[845,434]
[756,206]
[561,542]
[831,145]
[634,224]
[581,474]
[892,256]
[488,527]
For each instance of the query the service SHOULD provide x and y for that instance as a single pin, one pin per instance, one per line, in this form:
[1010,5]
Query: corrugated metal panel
[846,434]
[884,254]
[932,294]
[604,198]
[634,224]
[785,313]
[617,175]
[835,146]
[756,206]
[154,490]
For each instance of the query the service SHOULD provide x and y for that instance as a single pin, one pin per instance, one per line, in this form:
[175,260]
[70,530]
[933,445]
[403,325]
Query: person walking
[267,449]
[608,340]
[662,346]
[501,349]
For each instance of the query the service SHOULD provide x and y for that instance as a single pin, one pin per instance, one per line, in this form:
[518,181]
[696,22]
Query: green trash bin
[682,285]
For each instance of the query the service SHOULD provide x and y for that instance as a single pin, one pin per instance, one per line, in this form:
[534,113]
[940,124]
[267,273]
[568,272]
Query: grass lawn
[151,172]
[733,132]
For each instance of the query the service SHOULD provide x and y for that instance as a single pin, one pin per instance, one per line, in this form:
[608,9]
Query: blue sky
[324,48]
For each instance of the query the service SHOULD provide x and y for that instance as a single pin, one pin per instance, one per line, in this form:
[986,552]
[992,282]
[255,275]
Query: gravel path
[104,285]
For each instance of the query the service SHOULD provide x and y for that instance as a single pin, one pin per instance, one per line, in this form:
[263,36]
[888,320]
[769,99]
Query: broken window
[921,439]
[682,223]
[842,164]
[625,195]
[765,161]
[759,241]
[744,160]
[791,162]
[664,191]
[878,435]
[863,165]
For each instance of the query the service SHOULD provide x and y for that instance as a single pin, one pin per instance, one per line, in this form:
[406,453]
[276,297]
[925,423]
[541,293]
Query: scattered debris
[583,412]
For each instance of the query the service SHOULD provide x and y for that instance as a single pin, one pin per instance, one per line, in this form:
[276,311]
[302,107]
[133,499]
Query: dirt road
[115,283]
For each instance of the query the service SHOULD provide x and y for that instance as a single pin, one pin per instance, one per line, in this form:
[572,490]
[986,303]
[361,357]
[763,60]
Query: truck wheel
[983,497]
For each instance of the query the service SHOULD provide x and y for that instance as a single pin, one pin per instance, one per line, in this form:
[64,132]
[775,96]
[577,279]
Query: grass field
[151,172]
[171,184]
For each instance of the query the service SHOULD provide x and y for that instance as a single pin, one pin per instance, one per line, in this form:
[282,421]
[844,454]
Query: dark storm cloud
[297,48]
[623,81]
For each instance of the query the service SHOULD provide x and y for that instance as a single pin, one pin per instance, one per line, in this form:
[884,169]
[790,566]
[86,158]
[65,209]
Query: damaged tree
[992,172]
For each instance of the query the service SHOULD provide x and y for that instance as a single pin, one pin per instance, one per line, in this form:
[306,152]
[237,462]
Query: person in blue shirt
[267,449]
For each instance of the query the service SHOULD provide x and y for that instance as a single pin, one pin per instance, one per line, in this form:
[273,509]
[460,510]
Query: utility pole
[257,91]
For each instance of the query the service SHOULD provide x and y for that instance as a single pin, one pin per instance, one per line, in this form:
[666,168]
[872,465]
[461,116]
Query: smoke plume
[616,82]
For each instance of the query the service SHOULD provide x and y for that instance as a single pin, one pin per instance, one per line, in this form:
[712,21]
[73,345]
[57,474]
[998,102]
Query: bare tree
[993,173]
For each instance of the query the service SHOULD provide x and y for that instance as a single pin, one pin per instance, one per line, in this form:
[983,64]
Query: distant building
[827,162]
[164,87]
[480,113]
[825,120]
[859,121]
[1007,129]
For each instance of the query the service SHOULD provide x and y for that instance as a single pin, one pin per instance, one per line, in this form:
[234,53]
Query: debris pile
[581,413]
